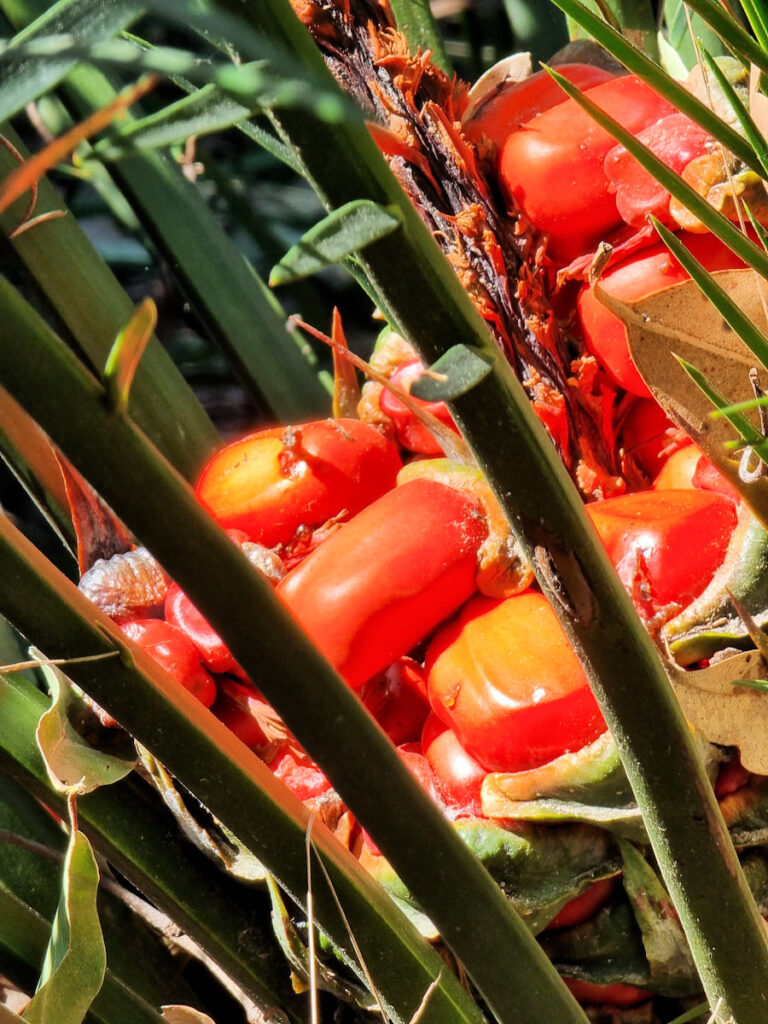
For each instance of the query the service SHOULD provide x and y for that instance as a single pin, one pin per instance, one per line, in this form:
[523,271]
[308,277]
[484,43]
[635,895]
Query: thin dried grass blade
[31,171]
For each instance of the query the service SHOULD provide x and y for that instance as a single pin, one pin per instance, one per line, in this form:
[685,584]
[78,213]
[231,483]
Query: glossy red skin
[268,489]
[458,775]
[503,676]
[648,271]
[398,701]
[650,436]
[606,995]
[682,537]
[412,434]
[675,140]
[707,477]
[171,649]
[213,652]
[688,468]
[584,906]
[676,474]
[552,167]
[384,581]
[418,766]
[299,773]
[235,706]
[516,104]
[731,777]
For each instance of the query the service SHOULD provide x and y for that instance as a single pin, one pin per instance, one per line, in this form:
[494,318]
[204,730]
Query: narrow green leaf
[125,355]
[30,456]
[258,130]
[133,832]
[665,945]
[758,20]
[76,959]
[417,22]
[344,231]
[312,699]
[748,432]
[760,230]
[753,684]
[749,333]
[257,84]
[747,406]
[752,254]
[736,38]
[537,27]
[72,763]
[297,954]
[679,35]
[752,133]
[700,1010]
[235,785]
[234,303]
[421,294]
[93,306]
[461,368]
[24,936]
[201,113]
[637,62]
[633,19]
[24,77]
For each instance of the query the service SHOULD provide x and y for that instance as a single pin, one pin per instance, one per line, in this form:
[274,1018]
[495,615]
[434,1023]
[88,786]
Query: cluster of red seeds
[380,566]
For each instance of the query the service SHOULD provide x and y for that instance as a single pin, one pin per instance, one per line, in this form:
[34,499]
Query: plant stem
[422,296]
[319,708]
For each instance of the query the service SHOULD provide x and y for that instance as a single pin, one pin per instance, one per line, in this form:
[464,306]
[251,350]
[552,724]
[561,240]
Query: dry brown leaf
[733,716]
[515,68]
[175,1014]
[681,321]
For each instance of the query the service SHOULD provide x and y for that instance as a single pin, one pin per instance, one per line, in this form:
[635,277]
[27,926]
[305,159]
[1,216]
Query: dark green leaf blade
[637,62]
[417,21]
[735,37]
[458,371]
[76,959]
[343,232]
[200,113]
[314,702]
[93,306]
[23,78]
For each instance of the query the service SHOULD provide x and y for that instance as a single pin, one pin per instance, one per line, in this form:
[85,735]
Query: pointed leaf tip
[344,231]
[125,355]
[454,374]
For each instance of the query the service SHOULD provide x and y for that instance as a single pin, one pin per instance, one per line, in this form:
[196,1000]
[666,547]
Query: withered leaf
[725,713]
[681,322]
[514,68]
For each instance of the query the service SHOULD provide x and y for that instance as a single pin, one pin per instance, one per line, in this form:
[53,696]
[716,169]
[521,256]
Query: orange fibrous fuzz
[320,18]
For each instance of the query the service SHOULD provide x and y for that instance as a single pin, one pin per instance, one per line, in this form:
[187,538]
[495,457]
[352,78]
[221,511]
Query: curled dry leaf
[515,68]
[681,322]
[724,713]
[175,1014]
